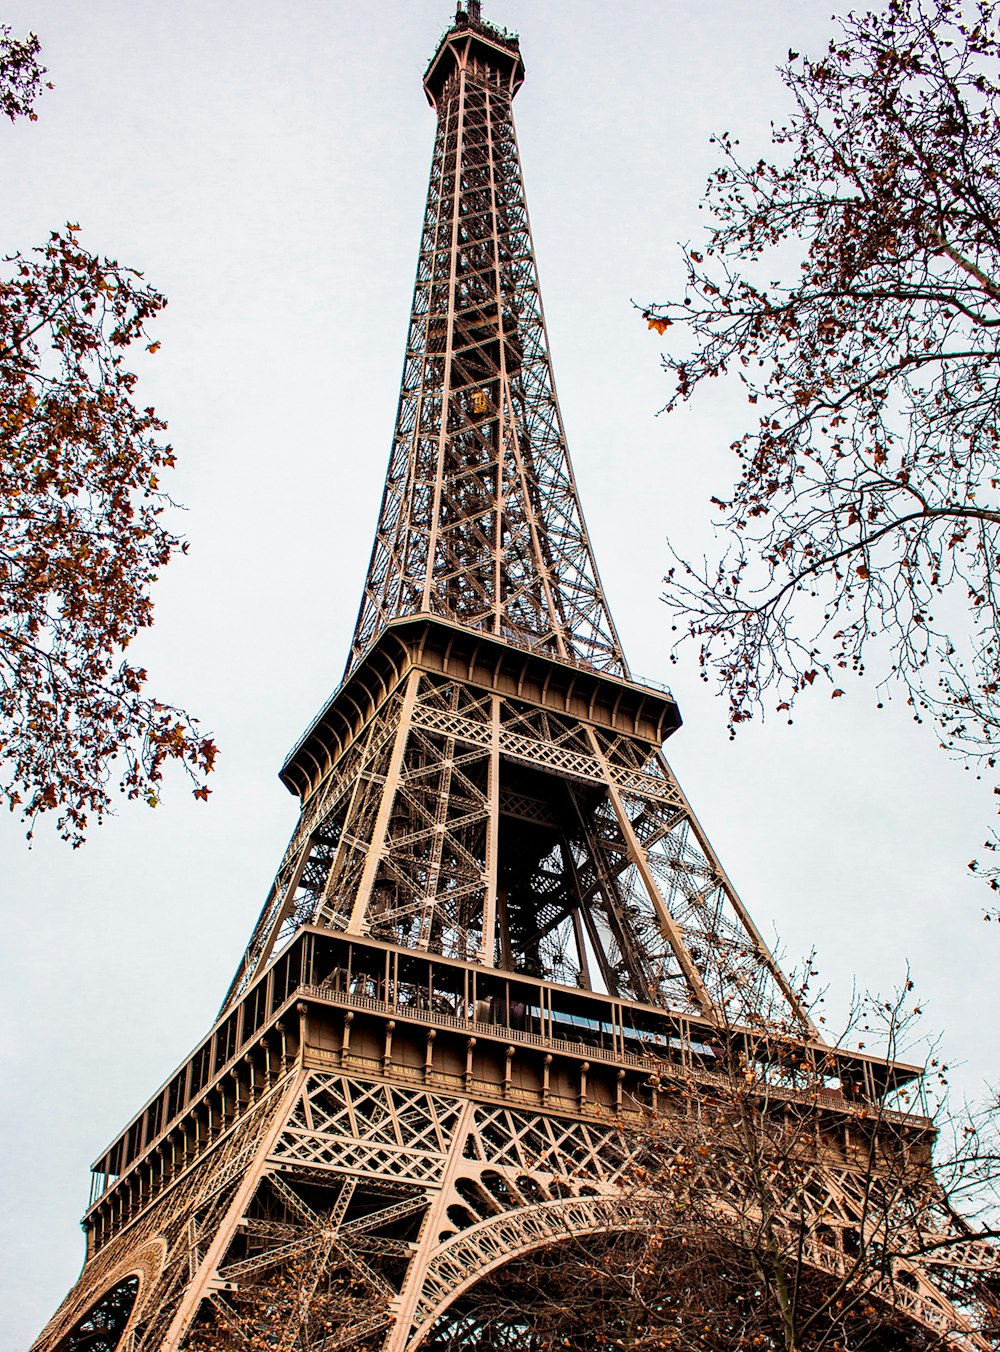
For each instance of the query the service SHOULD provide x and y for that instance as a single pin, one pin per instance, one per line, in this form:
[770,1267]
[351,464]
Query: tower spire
[481,522]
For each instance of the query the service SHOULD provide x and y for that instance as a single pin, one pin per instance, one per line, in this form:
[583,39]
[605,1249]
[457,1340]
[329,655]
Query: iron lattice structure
[497,911]
[480,520]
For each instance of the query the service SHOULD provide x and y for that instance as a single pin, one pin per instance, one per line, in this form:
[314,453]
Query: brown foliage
[655,1290]
[757,1218]
[295,1307]
[82,534]
[864,526]
[21,75]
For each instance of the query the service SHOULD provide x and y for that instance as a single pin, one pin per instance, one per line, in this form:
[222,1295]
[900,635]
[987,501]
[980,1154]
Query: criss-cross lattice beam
[480,519]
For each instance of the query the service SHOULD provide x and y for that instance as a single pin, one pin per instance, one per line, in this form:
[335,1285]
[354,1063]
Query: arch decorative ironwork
[101,1329]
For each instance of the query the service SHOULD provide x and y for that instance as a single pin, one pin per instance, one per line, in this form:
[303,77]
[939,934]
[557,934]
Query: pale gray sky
[266,165]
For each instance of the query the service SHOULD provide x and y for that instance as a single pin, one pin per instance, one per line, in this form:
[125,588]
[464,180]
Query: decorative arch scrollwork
[102,1327]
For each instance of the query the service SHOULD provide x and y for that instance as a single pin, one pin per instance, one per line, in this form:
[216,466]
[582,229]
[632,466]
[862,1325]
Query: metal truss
[371,1209]
[412,834]
[163,1244]
[489,829]
[480,521]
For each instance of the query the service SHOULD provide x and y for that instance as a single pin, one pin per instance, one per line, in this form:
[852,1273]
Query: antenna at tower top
[469,11]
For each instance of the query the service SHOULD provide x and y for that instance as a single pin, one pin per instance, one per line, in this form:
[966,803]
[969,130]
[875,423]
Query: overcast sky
[266,165]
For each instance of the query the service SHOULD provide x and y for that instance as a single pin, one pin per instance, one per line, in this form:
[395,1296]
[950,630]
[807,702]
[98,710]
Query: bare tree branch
[875,374]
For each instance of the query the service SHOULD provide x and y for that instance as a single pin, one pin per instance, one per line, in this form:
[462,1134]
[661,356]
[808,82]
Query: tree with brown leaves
[863,530]
[304,1303]
[769,1205]
[82,529]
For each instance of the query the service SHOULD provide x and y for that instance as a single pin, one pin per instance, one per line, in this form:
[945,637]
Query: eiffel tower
[497,905]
